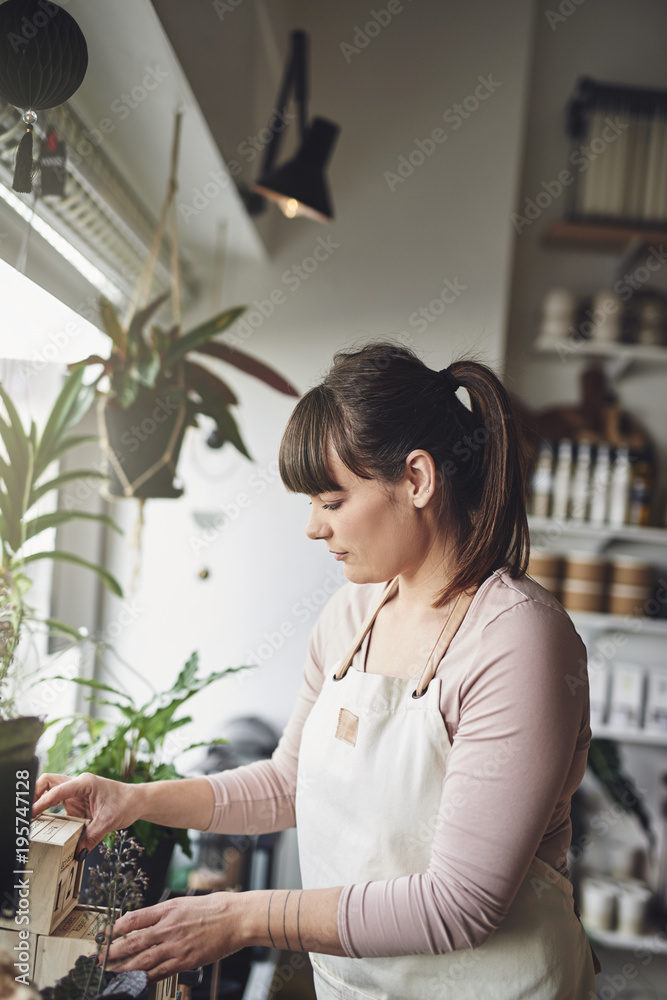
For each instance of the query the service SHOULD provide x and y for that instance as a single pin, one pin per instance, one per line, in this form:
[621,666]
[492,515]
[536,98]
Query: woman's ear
[420,476]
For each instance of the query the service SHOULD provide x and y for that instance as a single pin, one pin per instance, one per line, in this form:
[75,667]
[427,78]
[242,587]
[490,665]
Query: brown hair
[379,403]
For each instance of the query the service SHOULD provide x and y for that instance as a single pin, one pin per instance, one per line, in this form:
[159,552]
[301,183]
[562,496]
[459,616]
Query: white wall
[391,252]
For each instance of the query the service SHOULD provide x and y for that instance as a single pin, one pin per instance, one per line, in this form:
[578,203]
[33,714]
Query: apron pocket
[329,987]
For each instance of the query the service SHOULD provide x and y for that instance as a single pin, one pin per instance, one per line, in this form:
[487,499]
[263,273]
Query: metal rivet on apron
[339,678]
[415,695]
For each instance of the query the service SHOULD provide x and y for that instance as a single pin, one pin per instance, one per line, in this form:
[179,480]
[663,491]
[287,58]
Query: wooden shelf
[655,943]
[568,349]
[603,622]
[639,736]
[601,533]
[597,238]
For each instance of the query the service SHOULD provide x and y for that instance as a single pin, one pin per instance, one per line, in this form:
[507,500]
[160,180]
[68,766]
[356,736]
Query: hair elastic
[450,379]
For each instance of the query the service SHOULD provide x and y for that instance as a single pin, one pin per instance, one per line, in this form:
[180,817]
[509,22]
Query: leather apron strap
[456,615]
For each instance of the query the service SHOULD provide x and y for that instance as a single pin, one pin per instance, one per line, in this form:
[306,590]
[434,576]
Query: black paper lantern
[43,60]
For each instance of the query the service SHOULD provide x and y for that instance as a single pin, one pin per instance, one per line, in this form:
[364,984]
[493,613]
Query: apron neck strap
[365,627]
[449,630]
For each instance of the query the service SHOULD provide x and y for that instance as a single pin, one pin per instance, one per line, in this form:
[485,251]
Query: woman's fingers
[52,789]
[136,920]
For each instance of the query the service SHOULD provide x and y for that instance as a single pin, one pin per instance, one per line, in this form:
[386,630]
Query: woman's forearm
[293,919]
[186,803]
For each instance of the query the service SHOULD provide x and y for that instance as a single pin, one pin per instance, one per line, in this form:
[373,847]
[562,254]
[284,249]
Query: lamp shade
[43,54]
[300,186]
[43,60]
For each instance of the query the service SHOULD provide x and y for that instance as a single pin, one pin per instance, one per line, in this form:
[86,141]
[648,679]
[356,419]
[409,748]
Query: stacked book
[619,154]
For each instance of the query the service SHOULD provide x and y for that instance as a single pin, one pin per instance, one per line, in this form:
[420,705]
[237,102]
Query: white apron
[372,761]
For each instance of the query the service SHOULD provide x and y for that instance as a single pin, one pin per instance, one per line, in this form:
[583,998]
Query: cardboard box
[75,936]
[52,879]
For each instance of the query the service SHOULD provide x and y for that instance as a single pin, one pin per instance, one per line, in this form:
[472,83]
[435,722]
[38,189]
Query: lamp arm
[295,78]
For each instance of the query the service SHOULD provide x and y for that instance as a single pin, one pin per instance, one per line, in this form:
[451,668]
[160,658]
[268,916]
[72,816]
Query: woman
[437,738]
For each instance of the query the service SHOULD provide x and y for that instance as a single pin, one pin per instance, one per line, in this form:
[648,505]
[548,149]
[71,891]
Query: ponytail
[497,532]
[381,402]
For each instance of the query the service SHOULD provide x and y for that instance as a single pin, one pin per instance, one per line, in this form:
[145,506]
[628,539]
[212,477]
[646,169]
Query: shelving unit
[558,535]
[597,238]
[603,533]
[638,736]
[655,943]
[622,353]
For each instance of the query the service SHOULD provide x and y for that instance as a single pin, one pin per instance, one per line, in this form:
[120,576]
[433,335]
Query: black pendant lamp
[299,187]
[43,60]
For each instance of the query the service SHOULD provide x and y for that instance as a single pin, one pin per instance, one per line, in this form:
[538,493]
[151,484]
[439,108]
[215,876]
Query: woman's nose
[317,526]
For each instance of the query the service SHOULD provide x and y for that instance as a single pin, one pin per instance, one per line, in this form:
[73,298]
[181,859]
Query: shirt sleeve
[516,758]
[259,797]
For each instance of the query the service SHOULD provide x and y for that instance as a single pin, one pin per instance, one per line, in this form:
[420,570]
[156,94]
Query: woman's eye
[332,506]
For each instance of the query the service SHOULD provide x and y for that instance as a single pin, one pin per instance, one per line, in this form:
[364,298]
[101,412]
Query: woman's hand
[109,805]
[178,935]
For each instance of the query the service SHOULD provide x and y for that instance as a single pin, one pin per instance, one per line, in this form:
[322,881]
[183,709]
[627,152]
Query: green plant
[162,361]
[117,884]
[129,746]
[26,478]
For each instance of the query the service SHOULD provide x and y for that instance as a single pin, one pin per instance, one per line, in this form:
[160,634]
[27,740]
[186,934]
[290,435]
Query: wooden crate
[20,945]
[52,879]
[75,936]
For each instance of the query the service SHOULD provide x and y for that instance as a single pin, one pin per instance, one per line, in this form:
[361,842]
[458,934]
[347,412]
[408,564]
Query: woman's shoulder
[345,611]
[504,602]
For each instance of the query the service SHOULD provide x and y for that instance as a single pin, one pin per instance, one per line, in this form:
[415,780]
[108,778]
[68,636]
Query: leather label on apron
[346,730]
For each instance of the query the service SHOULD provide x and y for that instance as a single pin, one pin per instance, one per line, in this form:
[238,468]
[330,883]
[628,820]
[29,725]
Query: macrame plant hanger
[140,298]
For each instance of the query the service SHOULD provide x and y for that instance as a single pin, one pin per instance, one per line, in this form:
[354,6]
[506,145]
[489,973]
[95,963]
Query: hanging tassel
[23,167]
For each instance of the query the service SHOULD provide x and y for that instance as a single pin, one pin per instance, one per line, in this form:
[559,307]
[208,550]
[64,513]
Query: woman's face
[378,530]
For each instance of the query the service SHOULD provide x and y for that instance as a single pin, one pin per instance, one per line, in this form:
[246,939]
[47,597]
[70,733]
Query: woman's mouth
[338,555]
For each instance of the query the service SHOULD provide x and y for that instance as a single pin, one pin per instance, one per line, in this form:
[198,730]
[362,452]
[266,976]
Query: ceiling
[132,88]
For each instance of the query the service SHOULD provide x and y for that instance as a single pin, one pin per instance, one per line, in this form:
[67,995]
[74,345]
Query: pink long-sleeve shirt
[514,676]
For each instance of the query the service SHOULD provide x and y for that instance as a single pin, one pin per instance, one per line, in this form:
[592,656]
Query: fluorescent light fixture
[38,328]
[65,249]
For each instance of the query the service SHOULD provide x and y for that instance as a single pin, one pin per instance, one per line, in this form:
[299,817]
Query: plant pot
[143,443]
[18,772]
[155,866]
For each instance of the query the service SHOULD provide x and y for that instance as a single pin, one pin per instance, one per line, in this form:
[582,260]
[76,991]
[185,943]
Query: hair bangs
[303,450]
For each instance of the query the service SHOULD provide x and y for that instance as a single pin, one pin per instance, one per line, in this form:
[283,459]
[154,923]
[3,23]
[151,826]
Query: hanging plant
[43,60]
[157,385]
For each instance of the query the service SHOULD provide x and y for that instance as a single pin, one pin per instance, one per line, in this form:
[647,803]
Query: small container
[631,904]
[580,595]
[619,491]
[598,903]
[626,707]
[600,484]
[631,572]
[561,481]
[542,482]
[598,682]
[581,481]
[656,700]
[606,311]
[584,567]
[627,600]
[545,564]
